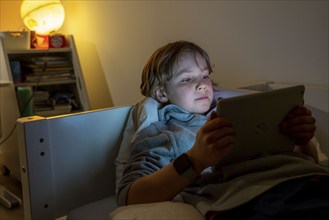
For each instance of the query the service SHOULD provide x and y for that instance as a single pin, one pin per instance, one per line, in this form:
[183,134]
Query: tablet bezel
[256,118]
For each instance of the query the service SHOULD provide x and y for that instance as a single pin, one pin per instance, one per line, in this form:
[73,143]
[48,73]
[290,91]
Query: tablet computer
[256,118]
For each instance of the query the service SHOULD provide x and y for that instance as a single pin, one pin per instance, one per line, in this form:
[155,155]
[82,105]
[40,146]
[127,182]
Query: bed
[69,163]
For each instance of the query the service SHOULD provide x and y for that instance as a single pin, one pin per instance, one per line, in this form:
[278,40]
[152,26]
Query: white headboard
[61,157]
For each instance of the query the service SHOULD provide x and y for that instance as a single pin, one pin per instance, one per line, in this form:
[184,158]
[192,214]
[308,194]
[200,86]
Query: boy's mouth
[202,98]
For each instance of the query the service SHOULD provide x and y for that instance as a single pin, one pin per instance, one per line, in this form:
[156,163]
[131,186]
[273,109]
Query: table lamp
[42,17]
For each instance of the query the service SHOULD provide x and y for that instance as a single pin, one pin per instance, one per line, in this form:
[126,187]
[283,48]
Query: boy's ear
[161,95]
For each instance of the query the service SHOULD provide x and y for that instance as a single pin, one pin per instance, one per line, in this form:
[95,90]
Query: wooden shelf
[45,83]
[53,72]
[37,51]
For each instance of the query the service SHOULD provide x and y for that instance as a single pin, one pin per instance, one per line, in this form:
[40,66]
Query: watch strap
[190,174]
[184,167]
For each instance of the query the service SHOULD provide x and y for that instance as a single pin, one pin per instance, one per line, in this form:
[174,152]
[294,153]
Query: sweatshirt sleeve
[151,151]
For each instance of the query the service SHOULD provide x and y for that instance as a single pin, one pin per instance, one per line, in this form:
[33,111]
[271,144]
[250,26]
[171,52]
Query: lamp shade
[43,16]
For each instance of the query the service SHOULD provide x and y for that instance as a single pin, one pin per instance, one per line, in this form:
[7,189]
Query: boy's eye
[206,77]
[186,80]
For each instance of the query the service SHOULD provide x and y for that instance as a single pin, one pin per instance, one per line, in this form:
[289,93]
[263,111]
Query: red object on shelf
[57,41]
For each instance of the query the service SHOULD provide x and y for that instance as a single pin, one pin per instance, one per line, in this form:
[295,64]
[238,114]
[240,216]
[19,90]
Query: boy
[173,156]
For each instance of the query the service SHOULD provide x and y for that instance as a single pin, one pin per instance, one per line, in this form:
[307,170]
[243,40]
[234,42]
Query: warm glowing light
[43,16]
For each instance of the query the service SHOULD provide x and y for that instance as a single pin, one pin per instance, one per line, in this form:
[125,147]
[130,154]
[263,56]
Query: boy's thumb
[212,116]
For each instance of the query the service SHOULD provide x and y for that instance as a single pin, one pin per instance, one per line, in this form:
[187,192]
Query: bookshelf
[47,82]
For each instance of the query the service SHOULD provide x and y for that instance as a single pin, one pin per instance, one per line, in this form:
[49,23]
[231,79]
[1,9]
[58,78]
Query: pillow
[158,210]
[220,92]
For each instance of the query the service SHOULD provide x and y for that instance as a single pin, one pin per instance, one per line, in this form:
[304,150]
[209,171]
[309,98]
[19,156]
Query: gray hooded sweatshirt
[160,143]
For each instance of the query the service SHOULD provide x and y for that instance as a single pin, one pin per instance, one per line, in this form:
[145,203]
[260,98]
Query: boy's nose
[201,86]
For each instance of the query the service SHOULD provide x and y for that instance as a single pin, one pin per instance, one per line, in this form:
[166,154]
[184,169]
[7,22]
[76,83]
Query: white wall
[282,41]
[248,41]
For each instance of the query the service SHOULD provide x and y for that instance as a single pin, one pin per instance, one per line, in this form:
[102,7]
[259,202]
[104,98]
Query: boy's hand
[299,124]
[213,141]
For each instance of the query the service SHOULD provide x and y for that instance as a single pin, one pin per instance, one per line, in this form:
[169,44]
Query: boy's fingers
[212,116]
[299,111]
[304,128]
[293,122]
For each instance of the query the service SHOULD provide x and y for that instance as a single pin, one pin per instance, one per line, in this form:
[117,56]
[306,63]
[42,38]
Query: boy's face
[190,87]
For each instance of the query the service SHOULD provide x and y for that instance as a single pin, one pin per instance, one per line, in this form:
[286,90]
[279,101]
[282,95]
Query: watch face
[57,41]
[182,163]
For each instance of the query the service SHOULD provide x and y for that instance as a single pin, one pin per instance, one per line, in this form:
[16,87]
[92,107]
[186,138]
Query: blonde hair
[159,68]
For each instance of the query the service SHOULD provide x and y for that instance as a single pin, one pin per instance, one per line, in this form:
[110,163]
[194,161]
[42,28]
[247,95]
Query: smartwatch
[184,167]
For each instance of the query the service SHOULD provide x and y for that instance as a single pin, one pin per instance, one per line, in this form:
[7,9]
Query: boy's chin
[201,110]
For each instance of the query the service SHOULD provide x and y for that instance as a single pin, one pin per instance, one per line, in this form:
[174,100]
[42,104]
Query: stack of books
[49,68]
[46,106]
[41,101]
